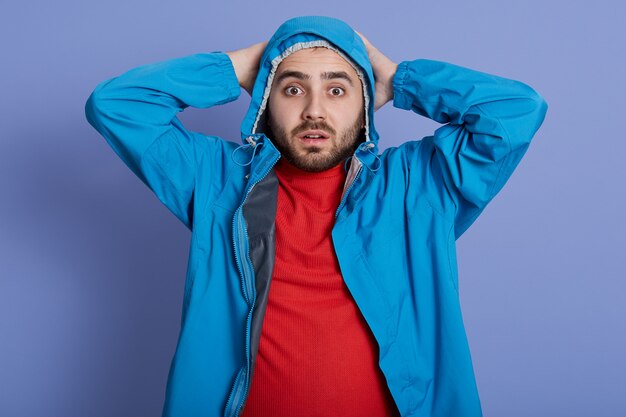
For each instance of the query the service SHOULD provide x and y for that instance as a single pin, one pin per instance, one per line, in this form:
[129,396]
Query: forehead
[316,60]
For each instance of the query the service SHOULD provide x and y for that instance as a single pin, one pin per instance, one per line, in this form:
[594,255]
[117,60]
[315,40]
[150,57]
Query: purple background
[92,266]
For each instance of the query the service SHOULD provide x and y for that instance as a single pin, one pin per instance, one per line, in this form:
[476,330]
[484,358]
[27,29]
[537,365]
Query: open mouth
[313,136]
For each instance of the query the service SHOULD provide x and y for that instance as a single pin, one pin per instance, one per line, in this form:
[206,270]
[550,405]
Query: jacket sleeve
[489,123]
[136,114]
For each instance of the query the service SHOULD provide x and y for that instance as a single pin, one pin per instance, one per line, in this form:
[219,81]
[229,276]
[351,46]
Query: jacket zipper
[345,195]
[240,387]
[235,400]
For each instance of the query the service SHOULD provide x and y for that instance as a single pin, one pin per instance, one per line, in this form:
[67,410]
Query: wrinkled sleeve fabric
[489,123]
[136,114]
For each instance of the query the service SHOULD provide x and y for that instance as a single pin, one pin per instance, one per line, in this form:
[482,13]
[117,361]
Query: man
[314,290]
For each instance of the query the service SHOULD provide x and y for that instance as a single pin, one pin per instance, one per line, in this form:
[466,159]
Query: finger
[365,41]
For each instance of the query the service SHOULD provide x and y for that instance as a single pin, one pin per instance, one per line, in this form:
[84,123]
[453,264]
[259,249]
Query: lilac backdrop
[92,265]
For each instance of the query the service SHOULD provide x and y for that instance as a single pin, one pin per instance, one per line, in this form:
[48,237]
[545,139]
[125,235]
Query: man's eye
[290,90]
[337,91]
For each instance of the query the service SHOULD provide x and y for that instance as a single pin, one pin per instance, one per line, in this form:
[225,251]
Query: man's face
[315,89]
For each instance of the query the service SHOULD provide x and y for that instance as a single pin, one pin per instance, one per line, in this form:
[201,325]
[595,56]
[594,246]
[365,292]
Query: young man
[322,276]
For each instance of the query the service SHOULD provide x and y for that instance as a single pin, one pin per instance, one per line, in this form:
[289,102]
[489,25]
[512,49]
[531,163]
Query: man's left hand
[384,70]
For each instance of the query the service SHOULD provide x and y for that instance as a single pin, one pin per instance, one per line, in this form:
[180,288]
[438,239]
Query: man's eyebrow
[337,74]
[328,75]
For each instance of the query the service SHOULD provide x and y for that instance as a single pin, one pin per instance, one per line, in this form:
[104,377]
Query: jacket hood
[306,32]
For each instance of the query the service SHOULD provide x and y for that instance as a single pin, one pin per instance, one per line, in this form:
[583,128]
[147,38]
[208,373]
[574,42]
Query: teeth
[313,136]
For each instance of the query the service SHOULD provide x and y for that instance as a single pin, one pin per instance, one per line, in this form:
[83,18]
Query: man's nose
[314,108]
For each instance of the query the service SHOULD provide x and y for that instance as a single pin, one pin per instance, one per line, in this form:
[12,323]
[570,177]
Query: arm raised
[136,114]
[489,123]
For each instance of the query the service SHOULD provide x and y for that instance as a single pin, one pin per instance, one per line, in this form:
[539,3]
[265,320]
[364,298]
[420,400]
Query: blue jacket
[396,226]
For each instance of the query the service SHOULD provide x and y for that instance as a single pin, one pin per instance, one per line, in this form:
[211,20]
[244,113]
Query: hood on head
[306,32]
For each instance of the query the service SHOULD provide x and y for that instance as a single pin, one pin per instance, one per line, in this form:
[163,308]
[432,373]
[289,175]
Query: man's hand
[384,70]
[246,63]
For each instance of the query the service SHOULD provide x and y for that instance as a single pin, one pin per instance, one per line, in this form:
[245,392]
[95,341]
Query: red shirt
[317,355]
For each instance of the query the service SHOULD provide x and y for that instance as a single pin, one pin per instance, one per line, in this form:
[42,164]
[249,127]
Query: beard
[315,158]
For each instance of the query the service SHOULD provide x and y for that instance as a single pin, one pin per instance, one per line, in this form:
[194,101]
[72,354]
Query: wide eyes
[293,90]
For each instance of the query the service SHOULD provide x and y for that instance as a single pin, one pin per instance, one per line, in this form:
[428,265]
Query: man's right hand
[246,63]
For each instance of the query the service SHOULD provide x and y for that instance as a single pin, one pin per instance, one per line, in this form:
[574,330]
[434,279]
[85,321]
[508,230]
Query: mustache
[315,126]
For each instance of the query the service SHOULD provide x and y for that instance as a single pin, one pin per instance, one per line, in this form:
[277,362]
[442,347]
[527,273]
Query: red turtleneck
[317,355]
